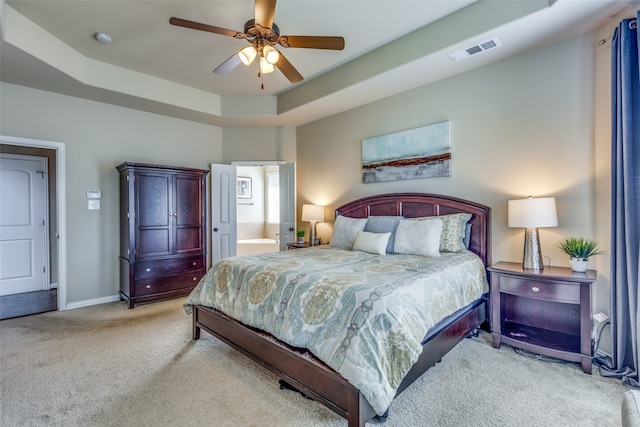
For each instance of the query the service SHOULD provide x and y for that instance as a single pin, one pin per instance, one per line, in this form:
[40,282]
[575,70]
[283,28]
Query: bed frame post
[357,415]
[195,327]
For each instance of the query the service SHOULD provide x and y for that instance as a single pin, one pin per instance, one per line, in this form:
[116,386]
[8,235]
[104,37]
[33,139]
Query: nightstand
[297,245]
[546,312]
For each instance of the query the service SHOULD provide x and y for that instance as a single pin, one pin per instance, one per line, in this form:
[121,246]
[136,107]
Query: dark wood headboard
[414,205]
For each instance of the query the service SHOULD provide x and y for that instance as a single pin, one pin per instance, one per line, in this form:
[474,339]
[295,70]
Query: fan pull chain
[261,77]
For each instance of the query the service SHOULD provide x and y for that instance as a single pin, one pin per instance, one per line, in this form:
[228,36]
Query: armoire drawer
[168,283]
[160,268]
[539,289]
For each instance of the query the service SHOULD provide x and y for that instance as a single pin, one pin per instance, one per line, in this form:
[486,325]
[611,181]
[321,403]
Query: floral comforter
[363,315]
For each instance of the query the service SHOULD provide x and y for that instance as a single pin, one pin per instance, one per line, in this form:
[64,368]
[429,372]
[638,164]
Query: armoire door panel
[153,243]
[188,240]
[153,200]
[188,209]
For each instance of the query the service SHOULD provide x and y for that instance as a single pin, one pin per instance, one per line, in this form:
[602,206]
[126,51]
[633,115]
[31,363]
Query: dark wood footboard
[313,378]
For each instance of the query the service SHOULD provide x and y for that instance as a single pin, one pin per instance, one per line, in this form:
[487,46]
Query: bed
[306,367]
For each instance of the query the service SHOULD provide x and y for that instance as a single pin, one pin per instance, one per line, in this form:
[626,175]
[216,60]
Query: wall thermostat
[94,194]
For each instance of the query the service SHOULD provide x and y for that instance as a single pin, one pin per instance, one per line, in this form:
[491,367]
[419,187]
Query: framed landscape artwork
[423,152]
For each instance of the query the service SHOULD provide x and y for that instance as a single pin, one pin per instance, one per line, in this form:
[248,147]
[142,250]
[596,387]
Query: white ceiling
[390,46]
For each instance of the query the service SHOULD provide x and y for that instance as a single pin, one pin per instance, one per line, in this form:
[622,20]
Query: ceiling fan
[263,35]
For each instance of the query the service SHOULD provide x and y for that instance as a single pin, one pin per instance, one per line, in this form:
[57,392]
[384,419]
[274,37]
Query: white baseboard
[93,301]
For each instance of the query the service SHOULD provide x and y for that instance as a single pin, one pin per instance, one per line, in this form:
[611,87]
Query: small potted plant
[579,249]
[300,234]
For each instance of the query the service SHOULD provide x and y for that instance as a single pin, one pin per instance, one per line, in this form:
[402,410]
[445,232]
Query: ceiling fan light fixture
[271,54]
[266,67]
[247,55]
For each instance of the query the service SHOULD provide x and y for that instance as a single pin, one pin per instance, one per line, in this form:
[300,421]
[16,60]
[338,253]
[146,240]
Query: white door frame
[61,206]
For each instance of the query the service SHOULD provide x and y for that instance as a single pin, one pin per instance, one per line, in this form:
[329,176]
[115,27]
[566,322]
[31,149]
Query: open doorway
[240,207]
[55,297]
[258,209]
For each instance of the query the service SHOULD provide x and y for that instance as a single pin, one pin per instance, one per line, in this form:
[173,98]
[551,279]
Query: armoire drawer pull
[195,263]
[148,286]
[195,278]
[535,289]
[148,269]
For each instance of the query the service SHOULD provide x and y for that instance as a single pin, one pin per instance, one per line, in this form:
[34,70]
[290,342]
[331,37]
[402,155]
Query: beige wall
[98,137]
[259,143]
[521,126]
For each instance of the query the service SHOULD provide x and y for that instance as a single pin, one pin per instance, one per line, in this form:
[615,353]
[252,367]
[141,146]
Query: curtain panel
[625,232]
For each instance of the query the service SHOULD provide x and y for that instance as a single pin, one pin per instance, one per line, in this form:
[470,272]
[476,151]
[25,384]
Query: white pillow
[418,237]
[345,230]
[374,243]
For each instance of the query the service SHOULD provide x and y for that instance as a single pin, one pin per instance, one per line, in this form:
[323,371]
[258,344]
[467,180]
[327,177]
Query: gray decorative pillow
[419,237]
[373,243]
[454,229]
[345,230]
[384,224]
[467,235]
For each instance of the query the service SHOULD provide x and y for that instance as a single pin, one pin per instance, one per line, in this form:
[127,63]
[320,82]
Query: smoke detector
[103,38]
[475,49]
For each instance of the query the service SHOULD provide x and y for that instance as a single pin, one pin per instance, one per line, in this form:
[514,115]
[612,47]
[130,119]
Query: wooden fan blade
[312,42]
[288,70]
[204,27]
[264,11]
[228,65]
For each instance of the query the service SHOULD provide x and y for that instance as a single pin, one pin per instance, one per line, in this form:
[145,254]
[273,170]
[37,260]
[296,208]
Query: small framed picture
[243,189]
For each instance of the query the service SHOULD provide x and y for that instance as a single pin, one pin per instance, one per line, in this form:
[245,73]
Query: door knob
[291,229]
[215,229]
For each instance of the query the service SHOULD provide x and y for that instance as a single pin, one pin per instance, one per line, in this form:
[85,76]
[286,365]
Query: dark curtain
[625,216]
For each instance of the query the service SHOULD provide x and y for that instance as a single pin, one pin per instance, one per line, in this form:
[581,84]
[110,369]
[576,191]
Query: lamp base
[312,233]
[532,258]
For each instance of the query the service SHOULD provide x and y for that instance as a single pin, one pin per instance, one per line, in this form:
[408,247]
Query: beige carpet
[111,366]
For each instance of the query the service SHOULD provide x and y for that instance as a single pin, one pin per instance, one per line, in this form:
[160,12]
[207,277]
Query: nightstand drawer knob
[148,286]
[148,269]
[535,289]
[195,278]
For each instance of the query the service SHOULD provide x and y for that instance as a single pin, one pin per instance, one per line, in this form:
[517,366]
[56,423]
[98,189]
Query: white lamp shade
[265,67]
[271,54]
[533,212]
[312,213]
[247,55]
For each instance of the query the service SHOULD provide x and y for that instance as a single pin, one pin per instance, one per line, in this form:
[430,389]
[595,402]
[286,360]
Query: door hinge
[44,269]
[43,223]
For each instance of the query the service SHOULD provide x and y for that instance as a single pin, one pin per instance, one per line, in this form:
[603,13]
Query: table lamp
[532,213]
[312,213]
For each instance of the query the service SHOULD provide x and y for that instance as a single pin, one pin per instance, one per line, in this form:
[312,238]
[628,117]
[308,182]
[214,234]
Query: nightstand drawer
[551,291]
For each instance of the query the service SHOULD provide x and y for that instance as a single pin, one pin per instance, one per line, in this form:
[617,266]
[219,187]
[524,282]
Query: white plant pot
[300,240]
[579,265]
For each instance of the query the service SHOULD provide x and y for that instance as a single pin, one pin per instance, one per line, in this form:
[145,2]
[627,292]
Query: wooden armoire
[163,244]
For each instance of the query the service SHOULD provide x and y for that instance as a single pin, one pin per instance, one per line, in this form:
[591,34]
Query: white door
[24,247]
[287,204]
[224,234]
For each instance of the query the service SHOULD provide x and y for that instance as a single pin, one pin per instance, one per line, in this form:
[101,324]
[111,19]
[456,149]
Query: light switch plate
[94,204]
